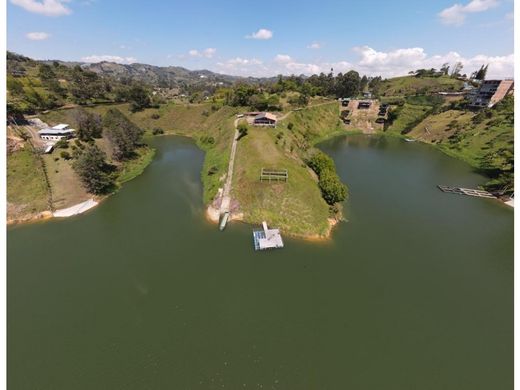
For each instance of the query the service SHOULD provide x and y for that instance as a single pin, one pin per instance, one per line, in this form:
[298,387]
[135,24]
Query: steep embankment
[484,138]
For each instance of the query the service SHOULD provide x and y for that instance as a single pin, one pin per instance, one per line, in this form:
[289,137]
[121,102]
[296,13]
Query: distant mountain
[158,76]
[161,76]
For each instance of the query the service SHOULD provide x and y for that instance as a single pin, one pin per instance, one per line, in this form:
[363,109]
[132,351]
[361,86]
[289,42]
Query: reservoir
[415,291]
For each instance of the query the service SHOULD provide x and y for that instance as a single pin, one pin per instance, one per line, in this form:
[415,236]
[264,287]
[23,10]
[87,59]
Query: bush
[157,131]
[62,144]
[290,125]
[207,140]
[242,130]
[65,155]
[155,115]
[332,189]
[320,162]
[212,170]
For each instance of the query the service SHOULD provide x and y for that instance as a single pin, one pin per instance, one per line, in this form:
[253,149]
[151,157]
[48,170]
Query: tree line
[90,162]
[34,86]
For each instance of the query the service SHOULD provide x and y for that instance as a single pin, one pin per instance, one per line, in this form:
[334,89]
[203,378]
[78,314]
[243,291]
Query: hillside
[413,85]
[482,138]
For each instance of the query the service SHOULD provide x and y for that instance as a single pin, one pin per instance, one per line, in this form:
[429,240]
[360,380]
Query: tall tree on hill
[45,72]
[455,72]
[92,168]
[445,68]
[139,98]
[363,83]
[347,84]
[124,136]
[89,124]
[481,73]
[85,85]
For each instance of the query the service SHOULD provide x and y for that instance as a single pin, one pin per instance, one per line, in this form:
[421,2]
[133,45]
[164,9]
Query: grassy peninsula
[114,114]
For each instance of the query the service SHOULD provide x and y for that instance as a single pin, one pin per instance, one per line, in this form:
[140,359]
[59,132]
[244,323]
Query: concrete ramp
[76,209]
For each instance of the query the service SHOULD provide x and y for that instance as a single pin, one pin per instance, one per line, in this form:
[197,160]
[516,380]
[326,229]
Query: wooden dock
[267,238]
[466,191]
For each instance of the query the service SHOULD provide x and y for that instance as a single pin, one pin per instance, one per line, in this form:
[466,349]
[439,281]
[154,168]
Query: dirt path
[226,198]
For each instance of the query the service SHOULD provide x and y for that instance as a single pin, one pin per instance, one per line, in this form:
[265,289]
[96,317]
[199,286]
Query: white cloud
[282,58]
[456,14]
[109,58]
[314,45]
[370,62]
[262,34]
[207,53]
[37,36]
[44,7]
[400,61]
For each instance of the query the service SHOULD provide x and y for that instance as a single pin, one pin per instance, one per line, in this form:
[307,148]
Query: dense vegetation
[332,189]
[94,171]
[37,86]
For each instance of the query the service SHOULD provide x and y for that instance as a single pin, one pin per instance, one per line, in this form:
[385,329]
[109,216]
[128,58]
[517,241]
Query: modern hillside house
[265,119]
[56,133]
[491,92]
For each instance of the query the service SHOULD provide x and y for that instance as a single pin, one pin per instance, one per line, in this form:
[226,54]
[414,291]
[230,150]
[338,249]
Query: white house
[56,133]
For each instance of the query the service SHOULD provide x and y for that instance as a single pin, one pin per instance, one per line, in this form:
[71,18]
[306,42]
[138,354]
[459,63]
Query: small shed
[265,119]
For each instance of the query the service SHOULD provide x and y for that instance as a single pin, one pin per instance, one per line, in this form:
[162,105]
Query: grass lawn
[295,207]
[411,85]
[27,191]
[132,168]
[66,186]
[409,114]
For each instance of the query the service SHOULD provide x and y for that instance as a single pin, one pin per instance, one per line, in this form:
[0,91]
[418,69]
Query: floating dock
[466,191]
[267,238]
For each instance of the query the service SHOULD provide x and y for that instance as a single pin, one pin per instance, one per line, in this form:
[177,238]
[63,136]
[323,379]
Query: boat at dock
[223,221]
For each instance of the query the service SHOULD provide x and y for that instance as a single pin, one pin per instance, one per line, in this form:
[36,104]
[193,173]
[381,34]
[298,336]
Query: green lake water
[415,291]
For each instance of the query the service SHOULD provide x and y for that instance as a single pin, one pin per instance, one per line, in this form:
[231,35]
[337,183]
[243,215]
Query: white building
[56,133]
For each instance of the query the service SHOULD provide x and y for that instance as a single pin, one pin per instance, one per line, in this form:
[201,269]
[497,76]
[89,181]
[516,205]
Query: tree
[481,73]
[14,86]
[242,130]
[455,72]
[124,136]
[332,189]
[320,162]
[45,72]
[347,84]
[445,68]
[138,97]
[92,168]
[89,124]
[85,85]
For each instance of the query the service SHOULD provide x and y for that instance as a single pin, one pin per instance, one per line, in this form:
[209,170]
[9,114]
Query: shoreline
[212,215]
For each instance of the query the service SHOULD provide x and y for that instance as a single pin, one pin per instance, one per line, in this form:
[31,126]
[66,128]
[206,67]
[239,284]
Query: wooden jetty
[267,238]
[466,191]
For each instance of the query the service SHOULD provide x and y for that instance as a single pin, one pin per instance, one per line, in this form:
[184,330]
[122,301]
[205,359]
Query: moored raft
[267,238]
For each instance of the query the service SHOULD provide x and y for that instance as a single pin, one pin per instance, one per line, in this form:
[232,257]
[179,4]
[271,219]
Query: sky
[267,38]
